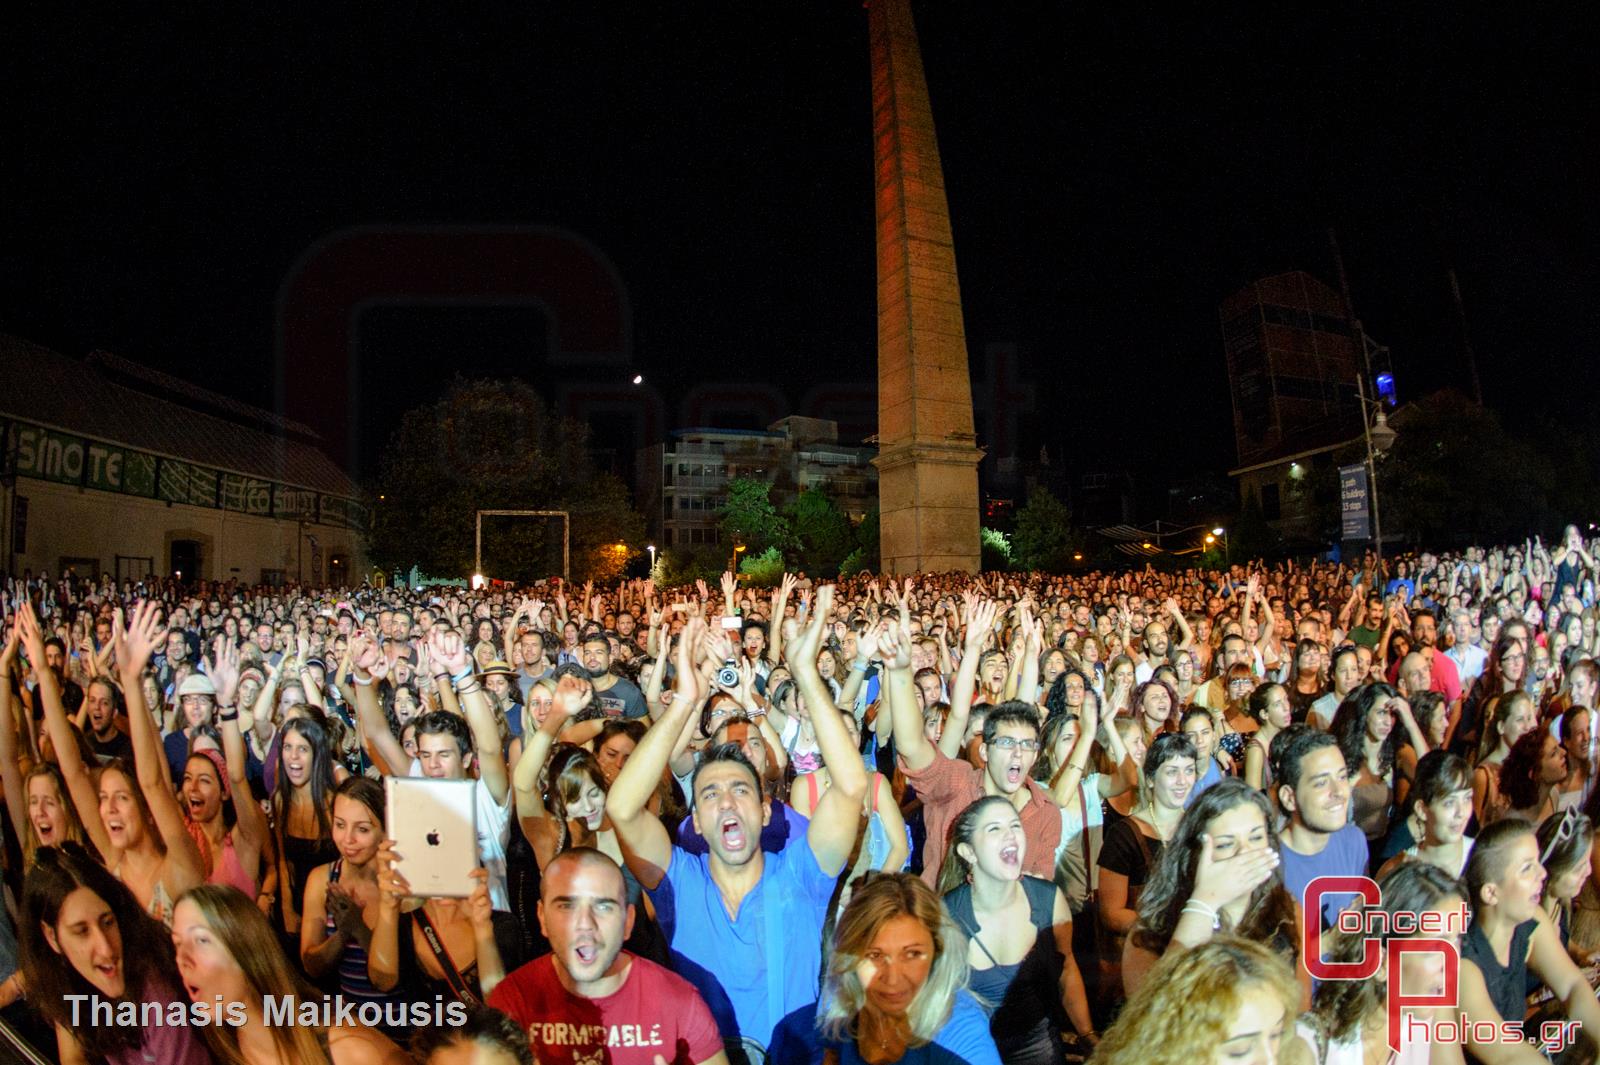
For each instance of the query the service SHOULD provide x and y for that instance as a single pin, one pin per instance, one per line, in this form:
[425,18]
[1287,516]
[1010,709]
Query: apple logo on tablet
[433,838]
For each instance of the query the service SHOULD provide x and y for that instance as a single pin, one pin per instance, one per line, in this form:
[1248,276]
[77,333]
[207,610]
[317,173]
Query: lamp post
[1380,438]
[652,549]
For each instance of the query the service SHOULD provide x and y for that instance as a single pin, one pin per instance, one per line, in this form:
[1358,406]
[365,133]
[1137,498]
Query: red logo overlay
[1388,938]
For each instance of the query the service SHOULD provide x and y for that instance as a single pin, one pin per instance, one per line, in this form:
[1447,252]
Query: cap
[197,684]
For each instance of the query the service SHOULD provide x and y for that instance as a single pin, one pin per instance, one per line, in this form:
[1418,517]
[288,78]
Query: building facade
[683,482]
[110,467]
[1293,369]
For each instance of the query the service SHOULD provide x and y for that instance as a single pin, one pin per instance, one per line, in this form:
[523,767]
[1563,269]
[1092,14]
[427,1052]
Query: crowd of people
[1020,818]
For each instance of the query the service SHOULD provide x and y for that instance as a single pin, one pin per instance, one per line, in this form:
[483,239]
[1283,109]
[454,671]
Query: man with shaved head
[590,1000]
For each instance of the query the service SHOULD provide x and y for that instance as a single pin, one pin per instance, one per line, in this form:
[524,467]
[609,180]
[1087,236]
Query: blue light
[1385,383]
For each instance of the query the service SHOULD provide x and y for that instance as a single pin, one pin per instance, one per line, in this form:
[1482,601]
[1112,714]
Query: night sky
[1112,175]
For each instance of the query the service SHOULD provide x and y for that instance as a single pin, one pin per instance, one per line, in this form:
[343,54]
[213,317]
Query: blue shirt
[1213,775]
[726,958]
[1345,855]
[964,1040]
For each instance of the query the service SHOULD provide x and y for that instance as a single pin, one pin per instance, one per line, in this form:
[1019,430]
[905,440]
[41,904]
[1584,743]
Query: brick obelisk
[927,454]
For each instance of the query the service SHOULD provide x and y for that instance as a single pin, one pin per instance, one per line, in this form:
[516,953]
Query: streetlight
[652,550]
[1380,438]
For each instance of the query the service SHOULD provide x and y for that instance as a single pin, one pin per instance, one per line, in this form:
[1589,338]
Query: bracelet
[469,689]
[364,683]
[233,716]
[859,667]
[1196,906]
[457,678]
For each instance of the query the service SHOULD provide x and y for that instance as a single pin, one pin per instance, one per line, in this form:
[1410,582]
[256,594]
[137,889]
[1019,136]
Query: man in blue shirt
[745,926]
[1313,783]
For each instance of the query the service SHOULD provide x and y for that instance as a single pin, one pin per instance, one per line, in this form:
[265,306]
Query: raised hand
[141,638]
[448,650]
[894,647]
[980,624]
[800,655]
[573,695]
[225,670]
[480,911]
[1220,881]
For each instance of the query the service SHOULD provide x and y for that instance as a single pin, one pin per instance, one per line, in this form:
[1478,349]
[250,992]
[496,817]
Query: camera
[728,675]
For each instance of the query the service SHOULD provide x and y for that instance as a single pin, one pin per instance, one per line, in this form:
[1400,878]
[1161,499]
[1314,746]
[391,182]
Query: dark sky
[1112,175]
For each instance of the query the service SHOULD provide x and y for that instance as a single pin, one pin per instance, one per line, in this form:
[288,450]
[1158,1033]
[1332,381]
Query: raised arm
[644,839]
[137,644]
[1182,622]
[836,820]
[10,762]
[68,758]
[780,600]
[369,666]
[1064,788]
[571,696]
[980,623]
[447,649]
[252,823]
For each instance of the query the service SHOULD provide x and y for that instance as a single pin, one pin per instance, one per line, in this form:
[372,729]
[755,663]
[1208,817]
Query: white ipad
[434,826]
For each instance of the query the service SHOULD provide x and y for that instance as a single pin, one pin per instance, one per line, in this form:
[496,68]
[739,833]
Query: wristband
[458,678]
[231,716]
[859,667]
[361,682]
[1196,906]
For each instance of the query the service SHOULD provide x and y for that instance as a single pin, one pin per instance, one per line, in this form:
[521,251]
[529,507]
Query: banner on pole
[1355,507]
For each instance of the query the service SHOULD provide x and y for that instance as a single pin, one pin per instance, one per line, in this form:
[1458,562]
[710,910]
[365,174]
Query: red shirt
[654,1012]
[947,786]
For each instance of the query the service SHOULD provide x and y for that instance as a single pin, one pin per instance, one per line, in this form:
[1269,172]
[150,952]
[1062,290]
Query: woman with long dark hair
[36,796]
[301,803]
[1019,935]
[1364,727]
[1220,872]
[225,821]
[83,933]
[1504,672]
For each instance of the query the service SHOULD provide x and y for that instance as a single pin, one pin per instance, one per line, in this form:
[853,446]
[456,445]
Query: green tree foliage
[1251,536]
[867,540]
[1044,539]
[749,517]
[764,570]
[821,533]
[685,565]
[855,562]
[1455,475]
[495,445]
[996,549]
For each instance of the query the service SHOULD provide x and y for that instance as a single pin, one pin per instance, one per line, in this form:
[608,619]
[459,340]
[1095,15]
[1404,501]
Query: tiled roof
[53,390]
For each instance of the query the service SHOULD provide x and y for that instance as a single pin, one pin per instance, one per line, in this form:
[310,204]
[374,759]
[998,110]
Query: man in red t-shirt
[589,1002]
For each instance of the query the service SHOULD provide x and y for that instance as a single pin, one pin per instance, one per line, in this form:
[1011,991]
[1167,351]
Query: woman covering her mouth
[84,933]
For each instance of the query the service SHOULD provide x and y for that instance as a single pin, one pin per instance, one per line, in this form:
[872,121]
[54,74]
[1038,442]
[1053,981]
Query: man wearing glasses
[947,786]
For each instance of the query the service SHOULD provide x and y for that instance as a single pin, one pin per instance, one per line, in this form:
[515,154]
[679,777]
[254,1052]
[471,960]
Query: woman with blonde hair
[894,989]
[228,956]
[1230,1001]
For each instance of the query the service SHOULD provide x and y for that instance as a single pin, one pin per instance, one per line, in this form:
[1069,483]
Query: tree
[1044,539]
[868,541]
[821,532]
[749,518]
[996,548]
[1456,476]
[494,445]
[764,570]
